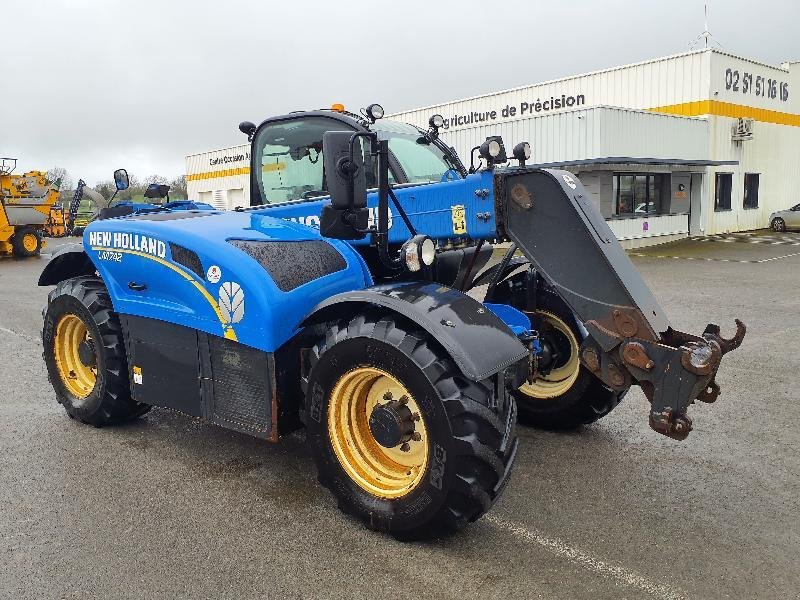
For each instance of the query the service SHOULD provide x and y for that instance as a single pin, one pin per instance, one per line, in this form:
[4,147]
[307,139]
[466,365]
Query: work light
[419,250]
[493,150]
[374,112]
[436,121]
[522,152]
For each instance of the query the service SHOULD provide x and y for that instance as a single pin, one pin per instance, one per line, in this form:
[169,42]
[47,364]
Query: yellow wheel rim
[561,378]
[71,334]
[29,242]
[383,472]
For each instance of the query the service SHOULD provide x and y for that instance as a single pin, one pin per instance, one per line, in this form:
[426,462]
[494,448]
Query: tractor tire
[570,395]
[26,242]
[85,354]
[778,225]
[376,376]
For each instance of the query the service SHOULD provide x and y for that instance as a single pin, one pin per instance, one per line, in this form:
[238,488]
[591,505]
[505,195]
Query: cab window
[289,157]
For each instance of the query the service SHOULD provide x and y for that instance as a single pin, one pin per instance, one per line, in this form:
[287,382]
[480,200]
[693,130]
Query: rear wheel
[565,394]
[85,354]
[778,224]
[26,242]
[400,437]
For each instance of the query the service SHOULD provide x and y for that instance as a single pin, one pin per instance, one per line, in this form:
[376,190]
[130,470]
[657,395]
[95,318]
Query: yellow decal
[459,219]
[273,167]
[137,375]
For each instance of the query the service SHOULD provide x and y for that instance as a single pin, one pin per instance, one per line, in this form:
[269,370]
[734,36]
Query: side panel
[227,383]
[163,364]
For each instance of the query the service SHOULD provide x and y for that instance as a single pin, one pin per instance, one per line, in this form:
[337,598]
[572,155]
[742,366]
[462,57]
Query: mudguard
[479,342]
[70,260]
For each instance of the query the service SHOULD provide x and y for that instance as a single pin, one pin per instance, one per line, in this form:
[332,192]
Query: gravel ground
[170,507]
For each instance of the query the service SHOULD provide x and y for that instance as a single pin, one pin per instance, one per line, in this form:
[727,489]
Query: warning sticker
[459,219]
[214,274]
[137,375]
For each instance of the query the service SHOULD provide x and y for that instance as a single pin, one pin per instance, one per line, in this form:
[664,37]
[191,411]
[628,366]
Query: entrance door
[696,194]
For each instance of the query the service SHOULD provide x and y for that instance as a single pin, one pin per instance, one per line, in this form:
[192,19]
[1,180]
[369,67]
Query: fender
[70,260]
[479,342]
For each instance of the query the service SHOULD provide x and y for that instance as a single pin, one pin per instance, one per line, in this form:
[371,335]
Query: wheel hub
[392,424]
[558,362]
[86,353]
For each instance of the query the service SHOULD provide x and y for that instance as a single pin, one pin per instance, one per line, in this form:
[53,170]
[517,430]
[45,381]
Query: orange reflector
[336,107]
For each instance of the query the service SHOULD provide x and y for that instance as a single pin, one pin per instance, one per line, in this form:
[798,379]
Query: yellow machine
[56,225]
[25,202]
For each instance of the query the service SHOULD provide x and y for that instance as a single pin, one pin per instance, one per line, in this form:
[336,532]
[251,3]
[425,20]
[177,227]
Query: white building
[220,177]
[696,143]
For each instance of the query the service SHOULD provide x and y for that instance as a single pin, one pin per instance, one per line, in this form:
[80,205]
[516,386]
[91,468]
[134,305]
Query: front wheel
[26,242]
[85,354]
[778,224]
[402,439]
[564,394]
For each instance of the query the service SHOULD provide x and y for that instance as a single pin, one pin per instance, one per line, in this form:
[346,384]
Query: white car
[784,220]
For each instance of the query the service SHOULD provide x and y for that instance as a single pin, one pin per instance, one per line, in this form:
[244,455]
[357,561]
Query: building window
[638,194]
[751,190]
[722,194]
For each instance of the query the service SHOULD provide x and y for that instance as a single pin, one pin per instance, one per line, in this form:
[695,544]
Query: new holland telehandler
[339,303]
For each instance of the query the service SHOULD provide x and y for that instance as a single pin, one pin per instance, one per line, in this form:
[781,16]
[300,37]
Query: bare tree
[151,179]
[66,184]
[178,187]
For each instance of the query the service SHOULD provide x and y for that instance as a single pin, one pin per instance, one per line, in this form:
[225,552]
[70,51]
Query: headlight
[436,121]
[419,250]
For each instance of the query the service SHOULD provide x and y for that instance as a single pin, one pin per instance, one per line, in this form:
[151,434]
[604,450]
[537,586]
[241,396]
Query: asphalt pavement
[171,507]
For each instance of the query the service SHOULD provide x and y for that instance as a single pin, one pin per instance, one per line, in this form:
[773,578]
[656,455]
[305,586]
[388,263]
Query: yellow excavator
[25,202]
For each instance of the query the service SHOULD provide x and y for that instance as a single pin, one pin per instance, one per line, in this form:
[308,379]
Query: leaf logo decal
[231,302]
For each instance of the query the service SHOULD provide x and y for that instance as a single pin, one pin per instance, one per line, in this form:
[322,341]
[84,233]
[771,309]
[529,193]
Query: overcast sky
[92,85]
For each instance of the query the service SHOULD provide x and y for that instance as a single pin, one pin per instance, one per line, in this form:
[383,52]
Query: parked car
[784,220]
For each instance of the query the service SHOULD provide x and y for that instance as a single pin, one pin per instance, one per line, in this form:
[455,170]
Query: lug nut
[387,396]
[416,436]
[405,447]
[403,399]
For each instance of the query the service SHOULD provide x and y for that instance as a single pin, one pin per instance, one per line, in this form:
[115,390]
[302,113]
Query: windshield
[421,160]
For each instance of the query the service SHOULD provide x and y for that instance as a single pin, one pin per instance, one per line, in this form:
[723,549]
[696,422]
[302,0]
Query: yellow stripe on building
[215,174]
[718,108]
[231,172]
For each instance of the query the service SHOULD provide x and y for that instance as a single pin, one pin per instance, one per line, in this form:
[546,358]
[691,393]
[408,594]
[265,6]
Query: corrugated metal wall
[598,132]
[660,82]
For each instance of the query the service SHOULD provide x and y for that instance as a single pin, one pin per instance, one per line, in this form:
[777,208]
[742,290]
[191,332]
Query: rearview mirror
[121,179]
[344,173]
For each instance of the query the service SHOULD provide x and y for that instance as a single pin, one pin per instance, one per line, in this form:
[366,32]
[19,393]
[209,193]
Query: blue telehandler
[358,299]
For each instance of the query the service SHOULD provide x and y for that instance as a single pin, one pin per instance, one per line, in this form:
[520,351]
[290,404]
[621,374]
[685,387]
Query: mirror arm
[382,235]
